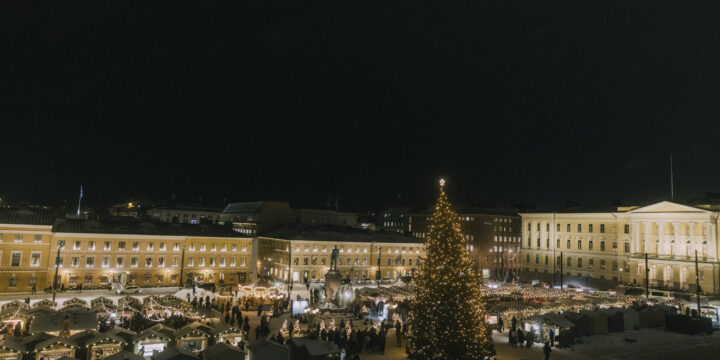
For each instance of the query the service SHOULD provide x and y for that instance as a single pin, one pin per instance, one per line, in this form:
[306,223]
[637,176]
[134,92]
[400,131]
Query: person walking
[501,326]
[551,332]
[520,337]
[547,350]
[514,322]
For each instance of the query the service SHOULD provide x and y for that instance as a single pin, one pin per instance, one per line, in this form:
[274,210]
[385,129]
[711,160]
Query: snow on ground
[656,344]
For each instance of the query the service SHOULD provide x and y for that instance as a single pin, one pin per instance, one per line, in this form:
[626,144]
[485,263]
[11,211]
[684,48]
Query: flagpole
[80,200]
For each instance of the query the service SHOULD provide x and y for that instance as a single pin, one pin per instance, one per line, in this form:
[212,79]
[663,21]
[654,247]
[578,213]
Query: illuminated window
[35,258]
[90,261]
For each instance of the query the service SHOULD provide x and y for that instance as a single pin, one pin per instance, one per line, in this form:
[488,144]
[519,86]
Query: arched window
[579,245]
[568,243]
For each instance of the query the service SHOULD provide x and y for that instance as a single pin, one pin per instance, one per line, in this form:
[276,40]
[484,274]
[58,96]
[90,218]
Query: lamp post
[377,277]
[60,245]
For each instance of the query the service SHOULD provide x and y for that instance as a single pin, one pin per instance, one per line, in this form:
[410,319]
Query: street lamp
[60,245]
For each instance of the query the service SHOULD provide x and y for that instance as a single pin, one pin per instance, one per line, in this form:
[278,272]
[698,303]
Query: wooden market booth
[94,345]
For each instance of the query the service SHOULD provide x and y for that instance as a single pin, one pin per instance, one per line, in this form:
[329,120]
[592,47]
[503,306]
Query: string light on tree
[447,317]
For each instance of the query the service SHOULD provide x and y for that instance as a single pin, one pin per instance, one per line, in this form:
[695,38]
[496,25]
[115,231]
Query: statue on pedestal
[333,277]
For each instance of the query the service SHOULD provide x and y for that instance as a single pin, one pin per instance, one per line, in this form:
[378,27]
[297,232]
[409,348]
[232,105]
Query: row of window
[342,249]
[568,243]
[150,246]
[147,261]
[569,262]
[357,261]
[18,238]
[506,239]
[590,228]
[16,257]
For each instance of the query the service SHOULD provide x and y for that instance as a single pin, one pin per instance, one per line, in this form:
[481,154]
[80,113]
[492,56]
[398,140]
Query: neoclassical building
[611,245]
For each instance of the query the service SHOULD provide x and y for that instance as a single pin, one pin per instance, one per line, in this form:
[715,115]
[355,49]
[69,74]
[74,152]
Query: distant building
[492,237]
[326,217]
[303,252]
[394,219]
[185,214]
[253,218]
[608,246]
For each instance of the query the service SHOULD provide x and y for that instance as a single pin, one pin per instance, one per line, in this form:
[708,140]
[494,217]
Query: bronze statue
[334,255]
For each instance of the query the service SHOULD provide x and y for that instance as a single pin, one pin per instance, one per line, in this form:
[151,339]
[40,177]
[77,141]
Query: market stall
[149,342]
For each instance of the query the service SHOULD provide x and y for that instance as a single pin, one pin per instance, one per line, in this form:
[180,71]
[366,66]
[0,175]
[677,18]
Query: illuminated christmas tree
[447,319]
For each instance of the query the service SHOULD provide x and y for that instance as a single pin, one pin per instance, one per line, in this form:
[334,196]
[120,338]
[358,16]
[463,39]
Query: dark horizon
[511,103]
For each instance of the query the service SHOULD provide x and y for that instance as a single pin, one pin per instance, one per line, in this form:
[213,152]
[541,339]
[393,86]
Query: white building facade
[611,246]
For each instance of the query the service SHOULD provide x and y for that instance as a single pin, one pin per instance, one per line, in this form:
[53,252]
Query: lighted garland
[446,318]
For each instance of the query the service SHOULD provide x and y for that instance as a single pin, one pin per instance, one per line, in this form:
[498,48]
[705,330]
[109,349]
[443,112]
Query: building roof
[12,343]
[54,321]
[222,351]
[316,347]
[245,207]
[268,350]
[148,334]
[338,234]
[124,355]
[188,208]
[33,215]
[175,353]
[141,228]
[92,337]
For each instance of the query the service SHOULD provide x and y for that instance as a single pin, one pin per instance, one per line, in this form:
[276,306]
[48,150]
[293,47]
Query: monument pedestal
[333,279]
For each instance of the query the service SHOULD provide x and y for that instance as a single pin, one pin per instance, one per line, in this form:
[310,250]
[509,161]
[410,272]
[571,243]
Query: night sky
[371,102]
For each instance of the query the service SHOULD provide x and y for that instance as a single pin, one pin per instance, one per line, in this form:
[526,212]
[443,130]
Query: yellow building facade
[103,253]
[612,246]
[303,254]
[24,256]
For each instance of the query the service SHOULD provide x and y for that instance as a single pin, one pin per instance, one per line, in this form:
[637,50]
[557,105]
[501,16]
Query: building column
[712,242]
[708,239]
[661,239]
[676,238]
[635,243]
[693,241]
[647,226]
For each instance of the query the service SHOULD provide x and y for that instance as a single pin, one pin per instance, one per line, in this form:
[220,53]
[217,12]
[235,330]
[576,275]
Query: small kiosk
[193,338]
[50,347]
[150,342]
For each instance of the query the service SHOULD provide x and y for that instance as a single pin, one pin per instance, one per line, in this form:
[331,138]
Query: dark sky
[528,102]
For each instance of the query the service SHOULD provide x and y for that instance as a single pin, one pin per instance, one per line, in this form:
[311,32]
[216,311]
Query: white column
[712,242]
[693,241]
[635,243]
[676,238]
[708,239]
[647,225]
[661,239]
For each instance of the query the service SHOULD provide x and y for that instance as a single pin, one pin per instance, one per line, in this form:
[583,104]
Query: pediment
[667,207]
